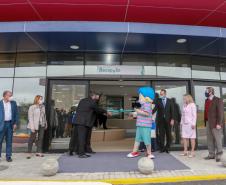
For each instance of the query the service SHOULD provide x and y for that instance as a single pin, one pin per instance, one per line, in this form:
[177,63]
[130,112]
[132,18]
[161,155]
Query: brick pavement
[24,169]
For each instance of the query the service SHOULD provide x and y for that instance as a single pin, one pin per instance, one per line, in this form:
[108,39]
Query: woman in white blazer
[188,125]
[37,124]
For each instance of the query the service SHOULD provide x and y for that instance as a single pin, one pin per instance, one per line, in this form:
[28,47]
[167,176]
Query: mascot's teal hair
[147,92]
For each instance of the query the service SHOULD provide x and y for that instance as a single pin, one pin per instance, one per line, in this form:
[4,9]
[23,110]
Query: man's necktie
[164,102]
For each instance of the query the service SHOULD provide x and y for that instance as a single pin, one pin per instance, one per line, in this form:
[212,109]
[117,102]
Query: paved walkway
[24,169]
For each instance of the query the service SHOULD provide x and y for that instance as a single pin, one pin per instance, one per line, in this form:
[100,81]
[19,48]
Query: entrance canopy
[190,12]
[111,37]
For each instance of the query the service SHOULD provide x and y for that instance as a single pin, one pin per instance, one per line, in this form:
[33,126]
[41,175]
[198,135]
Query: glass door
[175,91]
[63,97]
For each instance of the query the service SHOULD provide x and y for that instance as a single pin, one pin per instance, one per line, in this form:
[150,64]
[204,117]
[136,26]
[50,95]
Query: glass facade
[24,91]
[177,66]
[28,74]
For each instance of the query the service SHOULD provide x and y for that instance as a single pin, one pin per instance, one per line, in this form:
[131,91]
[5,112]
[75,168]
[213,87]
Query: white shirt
[211,97]
[8,111]
[164,100]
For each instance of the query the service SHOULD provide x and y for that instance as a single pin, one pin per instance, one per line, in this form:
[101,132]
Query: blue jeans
[7,133]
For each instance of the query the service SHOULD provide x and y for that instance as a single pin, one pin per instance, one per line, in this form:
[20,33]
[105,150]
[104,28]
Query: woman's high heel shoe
[184,154]
[191,155]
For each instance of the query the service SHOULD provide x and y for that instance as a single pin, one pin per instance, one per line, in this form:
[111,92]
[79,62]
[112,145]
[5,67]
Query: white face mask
[11,98]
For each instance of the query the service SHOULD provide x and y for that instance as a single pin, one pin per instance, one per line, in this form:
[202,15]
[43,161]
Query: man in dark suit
[165,120]
[8,122]
[214,120]
[85,117]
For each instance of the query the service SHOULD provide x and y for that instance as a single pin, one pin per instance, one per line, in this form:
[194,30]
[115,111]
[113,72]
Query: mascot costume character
[144,121]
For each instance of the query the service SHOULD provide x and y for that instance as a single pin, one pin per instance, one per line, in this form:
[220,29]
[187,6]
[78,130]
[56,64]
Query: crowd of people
[154,109]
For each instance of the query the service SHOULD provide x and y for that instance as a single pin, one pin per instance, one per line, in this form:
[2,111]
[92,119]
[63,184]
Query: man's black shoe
[71,153]
[90,152]
[218,159]
[167,151]
[84,156]
[209,157]
[9,159]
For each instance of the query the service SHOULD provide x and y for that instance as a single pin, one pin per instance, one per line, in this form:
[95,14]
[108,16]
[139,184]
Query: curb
[137,180]
[166,179]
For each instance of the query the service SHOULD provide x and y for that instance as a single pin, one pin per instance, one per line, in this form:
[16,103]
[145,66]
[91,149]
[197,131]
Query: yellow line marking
[166,179]
[134,180]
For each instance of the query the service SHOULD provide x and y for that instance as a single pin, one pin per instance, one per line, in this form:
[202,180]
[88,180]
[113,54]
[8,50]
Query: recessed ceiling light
[181,41]
[74,47]
[121,86]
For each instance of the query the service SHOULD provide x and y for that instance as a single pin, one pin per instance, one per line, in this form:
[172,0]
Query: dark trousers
[88,140]
[153,145]
[60,130]
[53,131]
[37,137]
[73,145]
[7,133]
[96,124]
[177,132]
[102,120]
[164,133]
[83,139]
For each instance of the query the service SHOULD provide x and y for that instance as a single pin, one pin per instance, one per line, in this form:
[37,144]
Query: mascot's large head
[146,94]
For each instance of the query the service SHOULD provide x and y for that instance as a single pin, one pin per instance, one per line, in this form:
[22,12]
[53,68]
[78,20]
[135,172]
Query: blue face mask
[207,94]
[162,97]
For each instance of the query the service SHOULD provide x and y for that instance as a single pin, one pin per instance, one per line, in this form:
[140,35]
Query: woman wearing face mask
[188,125]
[37,124]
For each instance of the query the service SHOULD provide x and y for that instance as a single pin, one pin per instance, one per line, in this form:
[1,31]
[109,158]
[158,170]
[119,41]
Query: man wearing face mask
[165,120]
[37,124]
[8,122]
[85,117]
[214,121]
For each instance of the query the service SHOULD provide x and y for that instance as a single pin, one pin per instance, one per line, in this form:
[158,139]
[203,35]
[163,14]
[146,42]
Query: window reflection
[139,59]
[7,62]
[223,69]
[30,59]
[25,89]
[65,58]
[173,60]
[66,96]
[67,70]
[30,65]
[174,66]
[173,91]
[205,68]
[5,84]
[102,59]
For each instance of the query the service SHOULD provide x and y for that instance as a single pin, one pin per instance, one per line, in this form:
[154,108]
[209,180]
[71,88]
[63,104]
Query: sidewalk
[22,169]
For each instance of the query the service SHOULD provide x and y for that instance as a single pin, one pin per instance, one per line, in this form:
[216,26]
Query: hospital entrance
[119,132]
